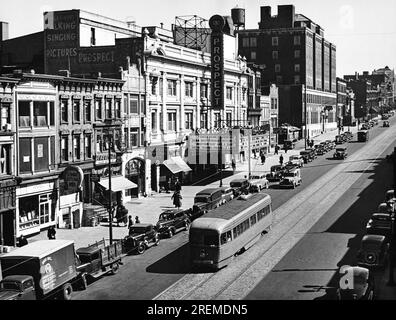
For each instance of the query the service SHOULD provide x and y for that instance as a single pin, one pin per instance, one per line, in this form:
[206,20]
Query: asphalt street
[307,271]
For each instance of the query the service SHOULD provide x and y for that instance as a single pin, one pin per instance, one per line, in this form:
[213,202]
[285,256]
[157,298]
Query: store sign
[217,60]
[73,177]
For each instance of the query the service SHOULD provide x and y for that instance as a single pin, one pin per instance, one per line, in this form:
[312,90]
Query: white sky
[364,31]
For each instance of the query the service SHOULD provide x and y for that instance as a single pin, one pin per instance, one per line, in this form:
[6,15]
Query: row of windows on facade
[252,41]
[189,90]
[189,121]
[318,117]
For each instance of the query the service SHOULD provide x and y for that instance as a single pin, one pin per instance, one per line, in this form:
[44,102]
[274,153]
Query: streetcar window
[204,237]
[226,237]
[253,220]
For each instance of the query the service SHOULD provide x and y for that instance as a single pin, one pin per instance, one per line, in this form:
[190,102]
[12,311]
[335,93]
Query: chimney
[265,16]
[162,25]
[4,31]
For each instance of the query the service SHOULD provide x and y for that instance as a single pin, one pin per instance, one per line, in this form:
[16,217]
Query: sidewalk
[148,209]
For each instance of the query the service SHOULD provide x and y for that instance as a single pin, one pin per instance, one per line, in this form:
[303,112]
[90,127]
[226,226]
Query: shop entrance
[7,230]
[135,172]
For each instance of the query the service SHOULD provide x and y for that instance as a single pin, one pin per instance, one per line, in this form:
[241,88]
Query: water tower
[238,17]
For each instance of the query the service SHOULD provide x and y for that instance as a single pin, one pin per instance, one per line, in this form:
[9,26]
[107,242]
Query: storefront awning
[176,165]
[118,184]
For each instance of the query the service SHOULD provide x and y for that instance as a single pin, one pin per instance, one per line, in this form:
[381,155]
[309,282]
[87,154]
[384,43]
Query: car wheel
[187,225]
[66,293]
[267,186]
[141,248]
[84,282]
[170,233]
[114,268]
[157,240]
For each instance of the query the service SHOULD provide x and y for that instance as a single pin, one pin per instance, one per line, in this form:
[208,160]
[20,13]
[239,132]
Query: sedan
[258,182]
[356,283]
[297,160]
[373,252]
[380,224]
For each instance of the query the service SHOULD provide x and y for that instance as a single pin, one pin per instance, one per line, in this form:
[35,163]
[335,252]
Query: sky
[364,31]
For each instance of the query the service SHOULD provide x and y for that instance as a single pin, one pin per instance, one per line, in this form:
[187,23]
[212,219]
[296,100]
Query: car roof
[238,180]
[18,278]
[373,238]
[382,215]
[208,191]
[142,225]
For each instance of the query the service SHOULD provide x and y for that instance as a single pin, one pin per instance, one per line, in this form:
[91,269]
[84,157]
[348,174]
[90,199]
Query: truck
[40,270]
[98,259]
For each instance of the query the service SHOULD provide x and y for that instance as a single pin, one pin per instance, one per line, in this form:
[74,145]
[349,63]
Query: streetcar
[229,230]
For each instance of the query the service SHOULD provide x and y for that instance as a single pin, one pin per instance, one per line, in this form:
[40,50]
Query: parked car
[320,151]
[141,236]
[308,154]
[362,286]
[349,135]
[365,126]
[386,207]
[290,166]
[374,251]
[227,194]
[288,144]
[297,160]
[240,186]
[380,223]
[170,221]
[371,123]
[276,173]
[340,153]
[390,195]
[325,146]
[291,178]
[258,182]
[331,144]
[338,139]
[386,124]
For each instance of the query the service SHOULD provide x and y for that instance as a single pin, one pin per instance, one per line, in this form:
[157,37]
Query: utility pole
[110,193]
[305,112]
[249,152]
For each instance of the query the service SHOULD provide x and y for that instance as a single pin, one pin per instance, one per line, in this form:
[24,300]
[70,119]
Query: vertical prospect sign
[217,23]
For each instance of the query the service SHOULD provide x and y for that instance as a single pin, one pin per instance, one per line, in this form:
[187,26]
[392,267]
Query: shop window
[5,115]
[24,114]
[275,41]
[275,55]
[87,111]
[29,215]
[88,146]
[64,148]
[76,111]
[25,155]
[143,105]
[98,109]
[41,159]
[229,119]
[76,147]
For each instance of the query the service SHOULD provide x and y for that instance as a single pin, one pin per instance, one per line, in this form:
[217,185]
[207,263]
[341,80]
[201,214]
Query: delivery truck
[40,270]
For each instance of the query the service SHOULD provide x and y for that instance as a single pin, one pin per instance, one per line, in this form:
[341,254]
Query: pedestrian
[233,165]
[263,159]
[254,154]
[312,143]
[167,185]
[118,215]
[286,148]
[177,199]
[281,159]
[137,221]
[177,185]
[124,215]
[22,241]
[51,233]
[130,222]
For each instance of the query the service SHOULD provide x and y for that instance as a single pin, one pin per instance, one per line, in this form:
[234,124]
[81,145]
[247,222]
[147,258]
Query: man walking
[233,165]
[276,149]
[281,160]
[262,158]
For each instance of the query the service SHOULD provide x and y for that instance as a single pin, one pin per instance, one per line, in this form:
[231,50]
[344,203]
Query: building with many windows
[300,61]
